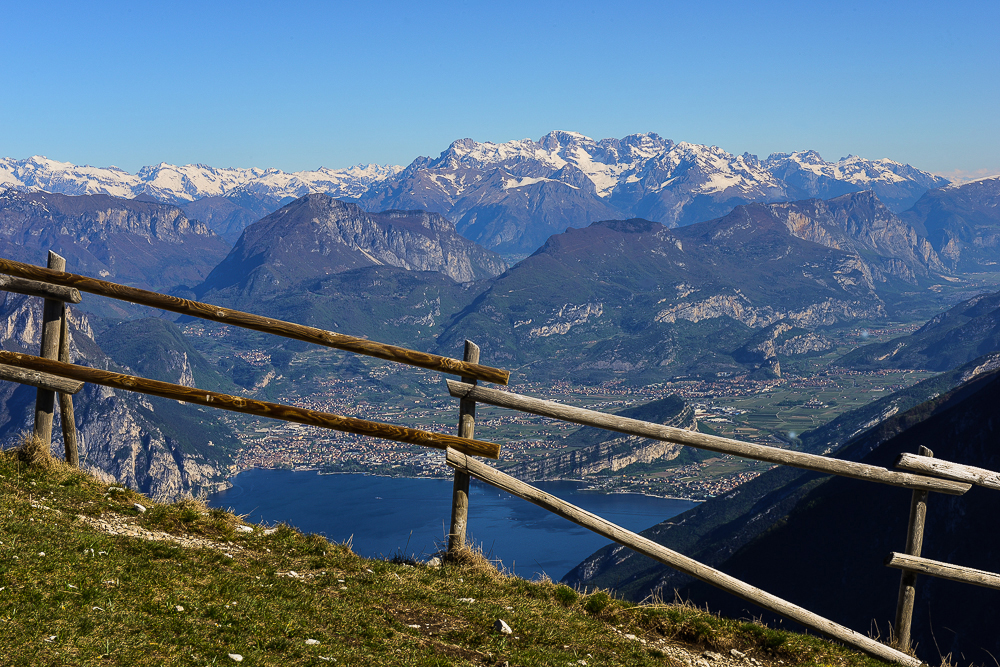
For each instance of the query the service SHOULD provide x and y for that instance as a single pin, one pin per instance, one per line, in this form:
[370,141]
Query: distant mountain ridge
[573,180]
[508,197]
[177,184]
[634,296]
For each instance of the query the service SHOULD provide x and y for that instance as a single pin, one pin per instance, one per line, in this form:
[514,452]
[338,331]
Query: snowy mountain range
[178,184]
[510,196]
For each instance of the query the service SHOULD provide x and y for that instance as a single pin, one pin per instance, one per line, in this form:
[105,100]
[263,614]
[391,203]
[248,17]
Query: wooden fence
[56,374]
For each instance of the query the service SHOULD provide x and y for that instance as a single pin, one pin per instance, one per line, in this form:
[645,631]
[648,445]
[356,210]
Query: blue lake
[384,516]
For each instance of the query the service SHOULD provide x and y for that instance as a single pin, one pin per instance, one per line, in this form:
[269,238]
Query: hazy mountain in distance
[139,243]
[229,215]
[962,223]
[806,174]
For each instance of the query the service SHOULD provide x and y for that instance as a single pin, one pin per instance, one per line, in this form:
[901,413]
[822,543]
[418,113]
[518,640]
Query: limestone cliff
[121,434]
[612,451]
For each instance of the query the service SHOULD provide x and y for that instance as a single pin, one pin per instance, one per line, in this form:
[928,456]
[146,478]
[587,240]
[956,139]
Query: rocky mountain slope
[635,296]
[161,447]
[318,236]
[143,244]
[962,223]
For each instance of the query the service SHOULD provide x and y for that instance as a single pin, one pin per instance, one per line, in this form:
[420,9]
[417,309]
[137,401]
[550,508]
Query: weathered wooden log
[460,488]
[823,464]
[257,322]
[52,314]
[948,470]
[936,568]
[251,406]
[675,560]
[66,400]
[908,580]
[42,380]
[37,288]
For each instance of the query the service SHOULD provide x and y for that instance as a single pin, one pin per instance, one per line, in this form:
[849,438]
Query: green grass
[99,599]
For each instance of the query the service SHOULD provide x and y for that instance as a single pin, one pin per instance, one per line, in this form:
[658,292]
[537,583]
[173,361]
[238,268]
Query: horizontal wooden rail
[949,470]
[40,380]
[936,568]
[37,288]
[823,464]
[679,562]
[251,406]
[256,322]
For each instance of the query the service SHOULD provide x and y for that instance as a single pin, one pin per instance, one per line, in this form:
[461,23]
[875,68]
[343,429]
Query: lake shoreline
[324,473]
[388,516]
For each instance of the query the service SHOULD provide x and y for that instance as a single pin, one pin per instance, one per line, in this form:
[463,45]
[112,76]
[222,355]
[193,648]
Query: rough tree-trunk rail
[37,288]
[256,322]
[675,560]
[41,380]
[823,464]
[936,568]
[955,471]
[251,406]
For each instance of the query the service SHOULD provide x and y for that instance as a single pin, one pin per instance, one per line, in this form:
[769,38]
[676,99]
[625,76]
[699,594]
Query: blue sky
[299,85]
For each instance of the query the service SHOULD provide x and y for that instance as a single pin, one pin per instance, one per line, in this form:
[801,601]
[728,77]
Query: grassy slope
[71,594]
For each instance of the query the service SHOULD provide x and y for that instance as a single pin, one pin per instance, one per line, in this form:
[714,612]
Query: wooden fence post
[52,313]
[460,491]
[907,581]
[66,400]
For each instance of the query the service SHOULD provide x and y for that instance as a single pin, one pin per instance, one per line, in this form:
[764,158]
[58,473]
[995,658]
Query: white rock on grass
[312,642]
[501,626]
[244,529]
[236,656]
[140,508]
